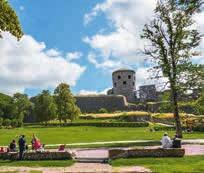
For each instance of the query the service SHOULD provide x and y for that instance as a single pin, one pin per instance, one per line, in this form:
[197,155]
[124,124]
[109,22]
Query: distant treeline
[19,108]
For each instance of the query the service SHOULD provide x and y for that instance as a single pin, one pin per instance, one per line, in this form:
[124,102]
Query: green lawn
[58,163]
[188,164]
[57,135]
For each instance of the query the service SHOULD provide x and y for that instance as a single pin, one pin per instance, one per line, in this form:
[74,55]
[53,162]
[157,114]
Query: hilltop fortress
[117,98]
[124,96]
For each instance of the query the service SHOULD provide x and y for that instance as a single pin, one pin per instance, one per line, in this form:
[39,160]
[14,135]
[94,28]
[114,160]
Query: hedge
[96,124]
[199,127]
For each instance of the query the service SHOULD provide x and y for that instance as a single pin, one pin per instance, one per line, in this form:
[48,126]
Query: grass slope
[65,135]
[56,163]
[166,165]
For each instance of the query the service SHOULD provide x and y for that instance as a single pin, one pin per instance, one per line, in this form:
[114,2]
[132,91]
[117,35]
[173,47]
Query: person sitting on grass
[166,141]
[12,146]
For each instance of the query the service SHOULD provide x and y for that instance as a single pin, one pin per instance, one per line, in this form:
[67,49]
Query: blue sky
[60,25]
[84,40]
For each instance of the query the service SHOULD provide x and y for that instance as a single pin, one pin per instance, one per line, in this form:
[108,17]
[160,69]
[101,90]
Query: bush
[102,111]
[1,121]
[135,117]
[16,123]
[199,127]
[6,122]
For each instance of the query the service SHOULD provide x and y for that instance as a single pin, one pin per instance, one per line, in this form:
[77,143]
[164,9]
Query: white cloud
[74,55]
[144,76]
[87,92]
[27,64]
[123,45]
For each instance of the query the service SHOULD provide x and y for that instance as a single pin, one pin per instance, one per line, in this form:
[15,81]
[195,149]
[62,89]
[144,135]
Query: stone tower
[124,84]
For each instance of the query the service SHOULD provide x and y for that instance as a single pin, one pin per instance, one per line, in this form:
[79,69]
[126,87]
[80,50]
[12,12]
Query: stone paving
[99,167]
[80,168]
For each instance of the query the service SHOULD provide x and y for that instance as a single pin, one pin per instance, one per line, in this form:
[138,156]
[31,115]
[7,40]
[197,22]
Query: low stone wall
[92,103]
[37,156]
[134,153]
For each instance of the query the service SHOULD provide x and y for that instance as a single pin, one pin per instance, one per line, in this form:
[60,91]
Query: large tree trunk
[176,112]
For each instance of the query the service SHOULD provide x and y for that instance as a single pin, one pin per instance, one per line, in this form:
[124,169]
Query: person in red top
[2,150]
[36,144]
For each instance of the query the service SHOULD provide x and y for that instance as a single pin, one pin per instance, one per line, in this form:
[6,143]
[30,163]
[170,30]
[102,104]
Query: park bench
[37,156]
[143,152]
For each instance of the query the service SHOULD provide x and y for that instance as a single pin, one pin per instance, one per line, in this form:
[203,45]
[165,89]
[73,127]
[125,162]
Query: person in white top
[166,141]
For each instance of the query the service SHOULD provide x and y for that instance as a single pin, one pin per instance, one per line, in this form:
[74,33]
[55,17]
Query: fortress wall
[92,103]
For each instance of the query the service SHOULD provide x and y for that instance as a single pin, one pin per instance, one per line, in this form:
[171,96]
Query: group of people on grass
[168,143]
[38,147]
[23,147]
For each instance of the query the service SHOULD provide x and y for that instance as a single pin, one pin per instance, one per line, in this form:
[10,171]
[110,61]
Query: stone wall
[37,156]
[142,152]
[92,103]
[148,93]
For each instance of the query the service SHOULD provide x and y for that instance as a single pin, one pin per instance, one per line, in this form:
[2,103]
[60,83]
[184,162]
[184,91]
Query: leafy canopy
[9,20]
[67,109]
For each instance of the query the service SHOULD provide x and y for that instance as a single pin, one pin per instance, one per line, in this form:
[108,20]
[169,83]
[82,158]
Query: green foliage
[102,110]
[6,122]
[66,107]
[173,40]
[16,123]
[1,121]
[45,107]
[9,20]
[200,104]
[22,106]
[165,107]
[199,127]
[6,106]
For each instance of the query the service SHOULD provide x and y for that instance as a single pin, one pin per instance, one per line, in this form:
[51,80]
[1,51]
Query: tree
[173,40]
[9,20]
[7,109]
[45,107]
[67,109]
[22,106]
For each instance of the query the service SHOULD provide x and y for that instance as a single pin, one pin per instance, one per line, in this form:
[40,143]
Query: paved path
[80,168]
[184,141]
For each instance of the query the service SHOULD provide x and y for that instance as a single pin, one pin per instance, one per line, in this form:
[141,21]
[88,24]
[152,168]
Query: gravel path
[80,168]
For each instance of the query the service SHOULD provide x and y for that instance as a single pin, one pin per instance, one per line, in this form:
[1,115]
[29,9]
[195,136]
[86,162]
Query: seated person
[61,148]
[2,150]
[12,146]
[166,141]
[176,143]
[41,149]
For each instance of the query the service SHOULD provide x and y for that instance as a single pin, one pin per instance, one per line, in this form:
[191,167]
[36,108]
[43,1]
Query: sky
[80,42]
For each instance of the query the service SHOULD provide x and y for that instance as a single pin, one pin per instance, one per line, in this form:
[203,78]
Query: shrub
[6,122]
[102,111]
[135,116]
[199,127]
[16,123]
[1,121]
